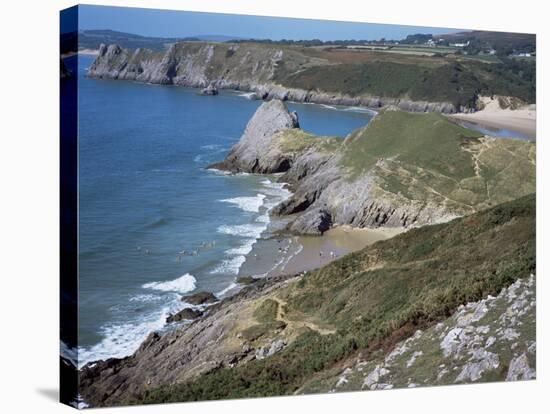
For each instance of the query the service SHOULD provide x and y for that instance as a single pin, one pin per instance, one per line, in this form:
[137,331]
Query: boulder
[210,90]
[200,298]
[246,280]
[270,350]
[185,314]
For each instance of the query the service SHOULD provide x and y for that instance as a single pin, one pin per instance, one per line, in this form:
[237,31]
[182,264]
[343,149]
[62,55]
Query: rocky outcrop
[337,181]
[244,67]
[184,315]
[210,90]
[257,150]
[492,339]
[200,298]
[208,343]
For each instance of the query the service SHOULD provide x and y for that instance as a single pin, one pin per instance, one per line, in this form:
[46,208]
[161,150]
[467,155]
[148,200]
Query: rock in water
[210,90]
[258,150]
[185,314]
[246,280]
[200,298]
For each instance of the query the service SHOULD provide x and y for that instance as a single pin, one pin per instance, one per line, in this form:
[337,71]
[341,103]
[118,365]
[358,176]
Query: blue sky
[166,23]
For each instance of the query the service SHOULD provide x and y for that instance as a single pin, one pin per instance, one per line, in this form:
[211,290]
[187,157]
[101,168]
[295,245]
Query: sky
[170,23]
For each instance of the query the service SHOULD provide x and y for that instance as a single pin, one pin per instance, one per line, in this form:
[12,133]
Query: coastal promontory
[401,170]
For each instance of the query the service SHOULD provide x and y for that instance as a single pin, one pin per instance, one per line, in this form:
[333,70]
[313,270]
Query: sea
[154,223]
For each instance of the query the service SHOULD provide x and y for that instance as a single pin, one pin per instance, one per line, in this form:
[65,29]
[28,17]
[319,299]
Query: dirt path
[299,324]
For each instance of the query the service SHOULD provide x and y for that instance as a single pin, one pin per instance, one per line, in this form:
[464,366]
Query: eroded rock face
[258,150]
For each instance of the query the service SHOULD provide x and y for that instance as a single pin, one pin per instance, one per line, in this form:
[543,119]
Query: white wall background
[29,204]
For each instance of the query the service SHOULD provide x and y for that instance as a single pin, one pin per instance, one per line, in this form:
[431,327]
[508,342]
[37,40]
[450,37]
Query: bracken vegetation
[456,82]
[378,296]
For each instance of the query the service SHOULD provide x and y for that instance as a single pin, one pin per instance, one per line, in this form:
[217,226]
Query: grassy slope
[420,360]
[427,157]
[380,294]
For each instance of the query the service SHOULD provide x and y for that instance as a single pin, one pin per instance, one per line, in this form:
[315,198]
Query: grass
[427,140]
[457,81]
[427,157]
[380,294]
[297,141]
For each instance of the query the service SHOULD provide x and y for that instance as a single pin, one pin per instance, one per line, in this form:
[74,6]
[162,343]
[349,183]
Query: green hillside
[428,157]
[374,298]
[438,81]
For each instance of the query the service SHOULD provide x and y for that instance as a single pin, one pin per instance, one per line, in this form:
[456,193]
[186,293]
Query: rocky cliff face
[386,174]
[256,151]
[245,67]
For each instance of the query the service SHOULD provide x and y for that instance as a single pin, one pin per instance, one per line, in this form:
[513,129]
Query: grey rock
[200,298]
[375,376]
[210,90]
[257,150]
[267,351]
[520,370]
[252,70]
[481,362]
[184,314]
[313,222]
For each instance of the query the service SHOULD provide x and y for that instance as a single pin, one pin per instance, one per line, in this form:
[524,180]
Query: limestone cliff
[401,170]
[249,67]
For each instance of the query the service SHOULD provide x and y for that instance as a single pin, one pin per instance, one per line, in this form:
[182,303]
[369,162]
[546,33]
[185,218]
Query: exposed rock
[249,69]
[258,150]
[177,355]
[210,90]
[184,314]
[267,351]
[314,222]
[463,348]
[481,361]
[520,370]
[200,298]
[246,280]
[373,379]
[413,358]
[330,186]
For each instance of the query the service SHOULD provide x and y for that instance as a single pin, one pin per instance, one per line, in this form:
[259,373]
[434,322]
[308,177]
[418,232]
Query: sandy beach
[522,120]
[311,252]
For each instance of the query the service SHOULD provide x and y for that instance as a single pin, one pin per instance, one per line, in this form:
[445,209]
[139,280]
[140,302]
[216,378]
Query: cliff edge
[401,170]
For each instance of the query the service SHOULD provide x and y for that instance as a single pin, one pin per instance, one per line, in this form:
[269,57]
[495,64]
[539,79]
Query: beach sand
[294,254]
[311,252]
[522,120]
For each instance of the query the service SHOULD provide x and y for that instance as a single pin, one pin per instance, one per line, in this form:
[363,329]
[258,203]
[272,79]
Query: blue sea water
[145,197]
